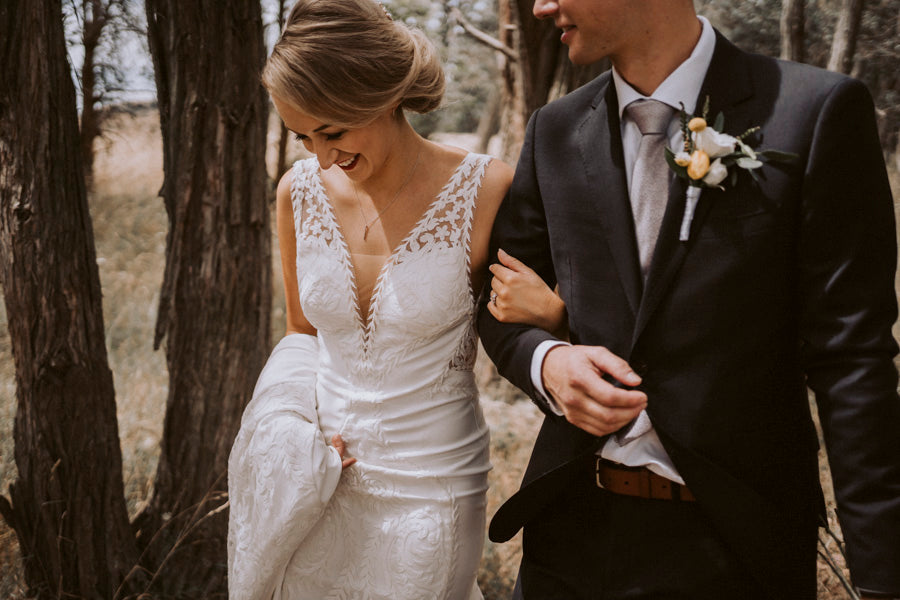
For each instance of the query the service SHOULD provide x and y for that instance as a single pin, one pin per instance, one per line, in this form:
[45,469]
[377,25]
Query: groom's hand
[573,376]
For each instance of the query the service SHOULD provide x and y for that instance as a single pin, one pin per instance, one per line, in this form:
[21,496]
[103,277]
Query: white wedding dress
[406,522]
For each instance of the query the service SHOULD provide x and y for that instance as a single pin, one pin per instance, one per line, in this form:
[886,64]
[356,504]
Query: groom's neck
[664,40]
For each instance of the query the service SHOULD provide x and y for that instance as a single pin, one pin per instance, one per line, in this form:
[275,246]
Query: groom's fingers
[603,423]
[607,362]
[601,408]
[578,371]
[573,375]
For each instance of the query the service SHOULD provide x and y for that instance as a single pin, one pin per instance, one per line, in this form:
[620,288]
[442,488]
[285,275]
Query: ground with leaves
[130,228]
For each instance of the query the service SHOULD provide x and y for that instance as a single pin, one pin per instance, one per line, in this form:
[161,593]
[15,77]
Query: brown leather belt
[639,482]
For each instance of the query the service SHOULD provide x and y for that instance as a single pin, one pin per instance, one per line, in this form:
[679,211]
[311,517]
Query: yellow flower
[697,124]
[699,164]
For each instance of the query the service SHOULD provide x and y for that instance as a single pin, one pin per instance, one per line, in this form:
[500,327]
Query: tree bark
[489,123]
[67,504]
[215,300]
[793,30]
[541,73]
[94,19]
[281,163]
[843,45]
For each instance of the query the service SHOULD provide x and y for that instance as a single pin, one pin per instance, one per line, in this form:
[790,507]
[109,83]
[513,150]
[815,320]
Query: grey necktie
[650,178]
[649,195]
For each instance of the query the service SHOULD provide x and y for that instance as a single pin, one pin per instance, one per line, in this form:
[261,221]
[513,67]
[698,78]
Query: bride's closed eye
[331,137]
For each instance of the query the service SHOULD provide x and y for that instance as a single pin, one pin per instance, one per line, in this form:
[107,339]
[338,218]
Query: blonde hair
[345,62]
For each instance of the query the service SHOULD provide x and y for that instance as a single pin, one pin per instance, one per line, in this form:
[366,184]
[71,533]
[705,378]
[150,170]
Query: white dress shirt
[641,446]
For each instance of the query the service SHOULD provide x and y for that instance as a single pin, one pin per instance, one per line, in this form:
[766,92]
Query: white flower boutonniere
[708,157]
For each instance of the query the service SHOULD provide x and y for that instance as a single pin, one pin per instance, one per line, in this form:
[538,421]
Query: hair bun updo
[346,61]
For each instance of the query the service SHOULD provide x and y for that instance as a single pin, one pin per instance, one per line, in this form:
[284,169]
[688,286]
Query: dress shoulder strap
[462,193]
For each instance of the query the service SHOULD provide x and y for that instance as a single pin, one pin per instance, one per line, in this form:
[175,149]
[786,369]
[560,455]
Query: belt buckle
[597,473]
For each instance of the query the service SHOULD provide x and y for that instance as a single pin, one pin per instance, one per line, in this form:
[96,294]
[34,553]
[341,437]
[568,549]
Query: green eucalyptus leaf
[777,156]
[720,123]
[754,175]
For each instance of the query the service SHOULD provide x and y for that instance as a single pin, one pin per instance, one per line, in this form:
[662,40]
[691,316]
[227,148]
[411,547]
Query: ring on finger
[494,298]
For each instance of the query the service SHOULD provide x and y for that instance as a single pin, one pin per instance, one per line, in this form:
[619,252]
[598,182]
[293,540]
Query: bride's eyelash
[328,136]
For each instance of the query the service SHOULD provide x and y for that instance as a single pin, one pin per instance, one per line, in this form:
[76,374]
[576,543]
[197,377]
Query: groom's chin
[581,57]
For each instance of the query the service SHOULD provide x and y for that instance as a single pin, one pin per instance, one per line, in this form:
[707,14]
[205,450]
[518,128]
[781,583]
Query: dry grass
[130,228]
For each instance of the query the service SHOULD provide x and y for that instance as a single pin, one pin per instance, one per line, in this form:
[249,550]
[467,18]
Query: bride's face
[360,152]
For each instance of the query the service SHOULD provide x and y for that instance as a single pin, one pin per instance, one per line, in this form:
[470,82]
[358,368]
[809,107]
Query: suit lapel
[600,141]
[727,84]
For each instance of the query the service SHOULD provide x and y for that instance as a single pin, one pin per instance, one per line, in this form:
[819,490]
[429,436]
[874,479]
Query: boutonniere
[708,157]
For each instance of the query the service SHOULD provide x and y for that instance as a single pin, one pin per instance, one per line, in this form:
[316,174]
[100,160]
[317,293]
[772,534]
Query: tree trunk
[843,45]
[489,123]
[793,30]
[514,113]
[94,19]
[542,71]
[281,163]
[216,295]
[281,167]
[67,504]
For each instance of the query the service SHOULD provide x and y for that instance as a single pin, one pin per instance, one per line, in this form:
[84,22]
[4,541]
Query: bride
[384,241]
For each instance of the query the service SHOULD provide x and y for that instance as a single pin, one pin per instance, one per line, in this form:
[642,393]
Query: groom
[678,455]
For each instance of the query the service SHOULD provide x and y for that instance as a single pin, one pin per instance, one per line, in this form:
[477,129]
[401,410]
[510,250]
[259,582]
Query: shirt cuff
[537,362]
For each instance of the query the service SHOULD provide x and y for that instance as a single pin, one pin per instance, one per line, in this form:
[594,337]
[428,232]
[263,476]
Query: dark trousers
[590,544]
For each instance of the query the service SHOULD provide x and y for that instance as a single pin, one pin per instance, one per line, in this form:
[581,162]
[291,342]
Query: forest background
[498,69]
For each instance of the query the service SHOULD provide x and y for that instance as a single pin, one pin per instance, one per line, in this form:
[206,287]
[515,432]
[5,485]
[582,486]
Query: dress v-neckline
[366,323]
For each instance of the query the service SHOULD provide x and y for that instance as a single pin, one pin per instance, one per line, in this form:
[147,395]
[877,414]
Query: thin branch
[481,36]
[823,551]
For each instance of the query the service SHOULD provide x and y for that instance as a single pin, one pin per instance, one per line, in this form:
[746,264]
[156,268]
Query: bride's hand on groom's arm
[573,376]
[519,295]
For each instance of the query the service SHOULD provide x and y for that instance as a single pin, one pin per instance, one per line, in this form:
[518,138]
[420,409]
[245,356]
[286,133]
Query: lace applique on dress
[442,235]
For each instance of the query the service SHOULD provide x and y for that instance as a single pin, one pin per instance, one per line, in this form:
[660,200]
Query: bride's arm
[519,295]
[287,243]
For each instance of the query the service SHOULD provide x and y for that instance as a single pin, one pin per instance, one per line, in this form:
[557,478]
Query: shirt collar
[683,84]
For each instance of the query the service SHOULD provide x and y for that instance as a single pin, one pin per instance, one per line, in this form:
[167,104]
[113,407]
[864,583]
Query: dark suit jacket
[783,284]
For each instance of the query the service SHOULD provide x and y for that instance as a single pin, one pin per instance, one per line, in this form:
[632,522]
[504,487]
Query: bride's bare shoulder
[497,178]
[446,156]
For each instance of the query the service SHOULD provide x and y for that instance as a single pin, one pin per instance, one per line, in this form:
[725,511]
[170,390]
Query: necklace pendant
[366,233]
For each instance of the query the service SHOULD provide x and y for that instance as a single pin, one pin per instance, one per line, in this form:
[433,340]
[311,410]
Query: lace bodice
[421,293]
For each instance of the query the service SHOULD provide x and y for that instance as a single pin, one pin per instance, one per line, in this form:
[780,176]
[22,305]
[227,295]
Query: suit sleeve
[847,264]
[520,228]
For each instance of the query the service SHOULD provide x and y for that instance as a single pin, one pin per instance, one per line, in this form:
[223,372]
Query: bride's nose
[326,155]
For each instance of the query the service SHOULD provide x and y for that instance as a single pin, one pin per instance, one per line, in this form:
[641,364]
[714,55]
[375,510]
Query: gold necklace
[389,204]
